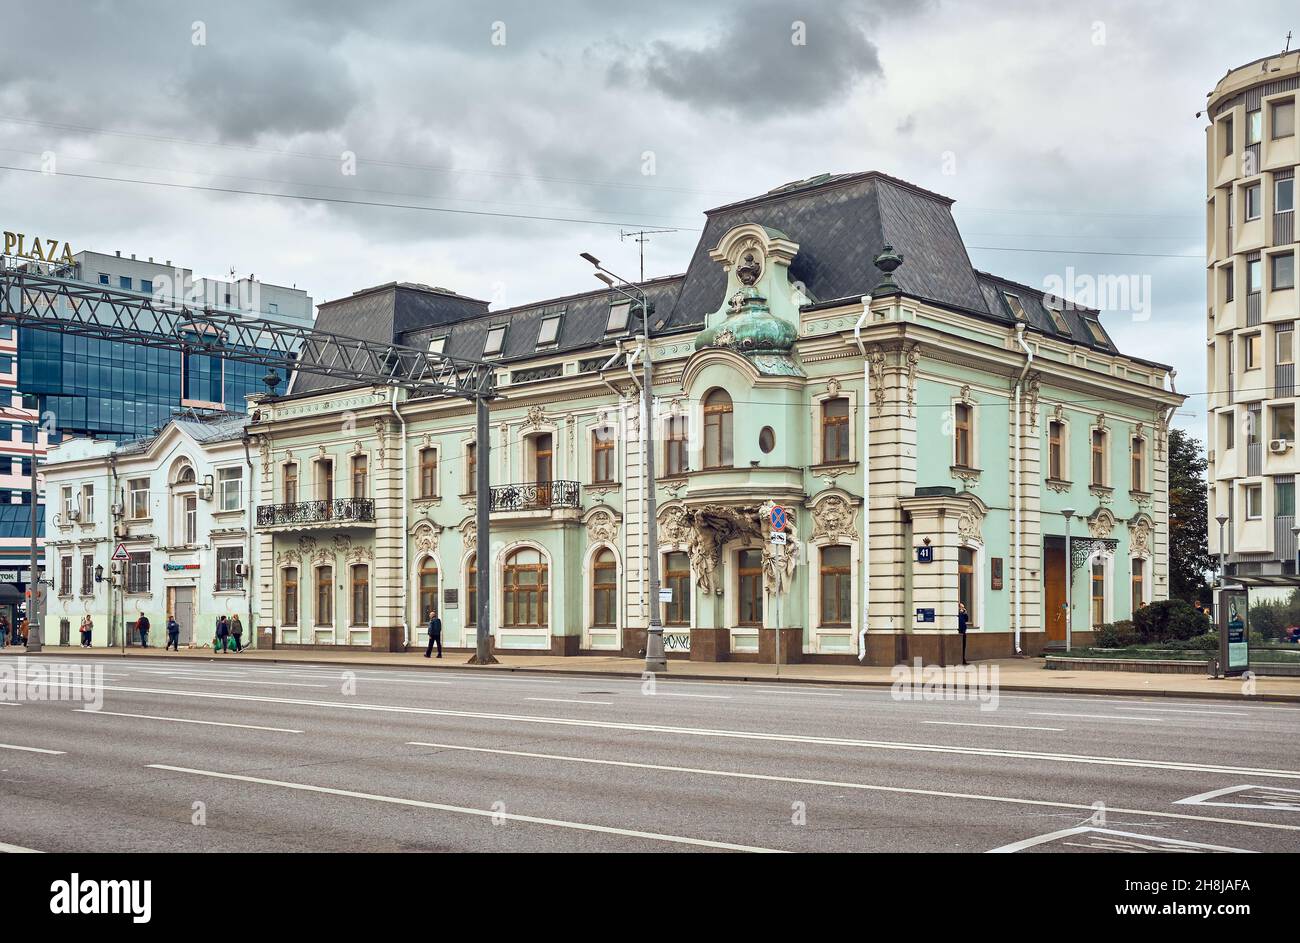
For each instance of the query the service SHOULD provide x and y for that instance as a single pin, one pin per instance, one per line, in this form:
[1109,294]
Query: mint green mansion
[830,349]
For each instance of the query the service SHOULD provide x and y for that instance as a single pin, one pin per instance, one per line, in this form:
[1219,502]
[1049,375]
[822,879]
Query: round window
[767,439]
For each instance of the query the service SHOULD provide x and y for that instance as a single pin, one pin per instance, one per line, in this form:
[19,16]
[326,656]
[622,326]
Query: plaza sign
[36,249]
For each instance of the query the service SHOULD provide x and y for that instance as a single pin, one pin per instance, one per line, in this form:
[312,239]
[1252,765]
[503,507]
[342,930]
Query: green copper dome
[750,328]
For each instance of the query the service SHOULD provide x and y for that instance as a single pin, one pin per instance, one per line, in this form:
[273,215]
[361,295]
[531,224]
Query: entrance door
[1054,568]
[543,468]
[182,607]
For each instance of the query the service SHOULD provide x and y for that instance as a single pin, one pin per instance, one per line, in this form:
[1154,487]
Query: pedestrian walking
[4,631]
[237,633]
[20,633]
[87,627]
[142,626]
[435,634]
[223,634]
[173,634]
[963,620]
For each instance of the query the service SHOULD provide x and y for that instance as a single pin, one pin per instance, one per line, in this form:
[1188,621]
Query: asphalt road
[233,756]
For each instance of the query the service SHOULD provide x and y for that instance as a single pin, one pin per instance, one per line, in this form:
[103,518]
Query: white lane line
[723,734]
[1135,720]
[14,746]
[566,700]
[10,703]
[867,787]
[18,849]
[461,810]
[184,720]
[278,684]
[712,697]
[1288,799]
[1128,841]
[1179,710]
[958,723]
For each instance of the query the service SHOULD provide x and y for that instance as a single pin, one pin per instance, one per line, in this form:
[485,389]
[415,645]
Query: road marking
[18,849]
[185,720]
[1179,710]
[566,700]
[866,787]
[462,810]
[725,734]
[957,723]
[712,697]
[280,684]
[1128,841]
[14,746]
[1136,720]
[1287,800]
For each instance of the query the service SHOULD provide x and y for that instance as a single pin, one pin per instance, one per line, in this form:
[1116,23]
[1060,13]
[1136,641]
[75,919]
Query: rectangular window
[617,322]
[361,595]
[1252,202]
[602,455]
[146,286]
[190,520]
[836,574]
[962,435]
[290,608]
[87,502]
[65,499]
[966,582]
[1056,450]
[87,575]
[124,281]
[1254,276]
[1283,422]
[230,482]
[496,339]
[1283,122]
[1285,347]
[549,332]
[1254,126]
[750,586]
[360,476]
[1250,350]
[471,468]
[1284,497]
[324,596]
[1284,195]
[1283,271]
[1014,303]
[228,562]
[428,472]
[1226,130]
[138,569]
[437,344]
[1098,592]
[1139,471]
[65,576]
[677,577]
[1254,502]
[835,430]
[1229,282]
[138,498]
[291,483]
[1098,457]
[103,278]
[676,461]
[1138,589]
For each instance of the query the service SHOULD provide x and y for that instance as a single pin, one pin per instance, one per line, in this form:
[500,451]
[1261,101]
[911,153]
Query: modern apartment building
[1251,158]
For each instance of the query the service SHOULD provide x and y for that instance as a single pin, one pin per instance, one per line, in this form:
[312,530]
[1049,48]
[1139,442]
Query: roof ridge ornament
[887,262]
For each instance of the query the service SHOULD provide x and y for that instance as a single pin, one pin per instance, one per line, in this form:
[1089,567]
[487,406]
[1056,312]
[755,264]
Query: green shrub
[1168,620]
[1209,642]
[1117,635]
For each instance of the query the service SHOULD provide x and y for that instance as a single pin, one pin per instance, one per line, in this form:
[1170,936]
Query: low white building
[177,504]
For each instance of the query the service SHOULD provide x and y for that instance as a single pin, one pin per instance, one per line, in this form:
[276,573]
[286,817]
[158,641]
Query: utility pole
[639,235]
[655,659]
[482,552]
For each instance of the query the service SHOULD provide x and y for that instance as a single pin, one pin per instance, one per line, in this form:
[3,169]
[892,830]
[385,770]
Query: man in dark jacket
[223,633]
[142,625]
[173,634]
[237,633]
[963,619]
[435,634]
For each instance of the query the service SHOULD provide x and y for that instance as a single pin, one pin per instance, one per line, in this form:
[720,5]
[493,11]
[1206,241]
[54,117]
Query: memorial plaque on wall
[995,573]
[450,598]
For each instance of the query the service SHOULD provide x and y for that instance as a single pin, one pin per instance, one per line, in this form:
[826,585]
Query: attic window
[496,338]
[1058,319]
[436,344]
[1094,328]
[617,322]
[1017,309]
[549,333]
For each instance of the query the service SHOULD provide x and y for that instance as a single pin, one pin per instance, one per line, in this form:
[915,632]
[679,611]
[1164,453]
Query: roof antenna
[640,236]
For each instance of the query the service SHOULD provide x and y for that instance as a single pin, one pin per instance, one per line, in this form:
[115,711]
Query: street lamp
[1295,534]
[655,659]
[1222,519]
[1068,514]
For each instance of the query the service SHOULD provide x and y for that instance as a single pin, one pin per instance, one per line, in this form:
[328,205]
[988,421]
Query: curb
[750,679]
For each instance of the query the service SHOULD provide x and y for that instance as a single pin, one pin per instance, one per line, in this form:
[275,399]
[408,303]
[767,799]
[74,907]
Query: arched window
[185,476]
[750,585]
[717,430]
[604,589]
[524,585]
[836,586]
[428,588]
[471,590]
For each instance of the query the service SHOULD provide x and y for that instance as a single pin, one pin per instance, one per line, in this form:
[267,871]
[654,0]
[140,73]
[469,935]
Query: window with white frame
[65,576]
[87,574]
[1097,592]
[1057,443]
[1254,502]
[138,570]
[963,435]
[1284,195]
[65,500]
[835,575]
[88,502]
[495,342]
[1100,460]
[229,561]
[230,483]
[1138,577]
[360,594]
[138,498]
[1138,463]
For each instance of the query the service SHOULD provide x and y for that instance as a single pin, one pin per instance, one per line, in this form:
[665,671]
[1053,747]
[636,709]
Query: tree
[1189,545]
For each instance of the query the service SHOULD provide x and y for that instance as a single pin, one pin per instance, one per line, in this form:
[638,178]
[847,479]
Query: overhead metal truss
[34,299]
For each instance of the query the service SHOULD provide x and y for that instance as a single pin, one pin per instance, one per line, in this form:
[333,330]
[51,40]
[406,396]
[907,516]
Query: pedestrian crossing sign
[120,553]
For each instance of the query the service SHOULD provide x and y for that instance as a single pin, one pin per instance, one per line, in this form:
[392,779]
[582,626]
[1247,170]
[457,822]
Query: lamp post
[1295,534]
[655,659]
[1068,514]
[1222,519]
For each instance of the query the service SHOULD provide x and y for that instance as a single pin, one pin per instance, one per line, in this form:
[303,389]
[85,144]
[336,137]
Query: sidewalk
[1014,674]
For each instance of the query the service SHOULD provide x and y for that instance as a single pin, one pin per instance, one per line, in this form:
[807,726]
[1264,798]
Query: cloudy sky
[1067,133]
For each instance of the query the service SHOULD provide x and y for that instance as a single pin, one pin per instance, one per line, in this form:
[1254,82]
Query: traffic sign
[120,553]
[778,517]
[778,537]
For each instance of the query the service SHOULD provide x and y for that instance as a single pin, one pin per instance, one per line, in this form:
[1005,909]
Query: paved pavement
[247,755]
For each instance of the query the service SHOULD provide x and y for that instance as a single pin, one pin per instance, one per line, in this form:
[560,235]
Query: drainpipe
[406,603]
[866,475]
[1018,530]
[248,538]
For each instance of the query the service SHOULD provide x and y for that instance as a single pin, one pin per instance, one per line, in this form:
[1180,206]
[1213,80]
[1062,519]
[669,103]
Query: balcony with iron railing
[536,498]
[337,512]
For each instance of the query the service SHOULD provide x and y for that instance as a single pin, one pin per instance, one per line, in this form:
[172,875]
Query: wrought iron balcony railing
[339,510]
[535,496]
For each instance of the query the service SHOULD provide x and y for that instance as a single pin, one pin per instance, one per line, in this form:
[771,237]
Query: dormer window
[1098,335]
[1058,319]
[436,344]
[1017,309]
[549,333]
[617,322]
[496,339]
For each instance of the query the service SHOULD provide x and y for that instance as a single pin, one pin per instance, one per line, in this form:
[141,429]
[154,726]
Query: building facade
[829,349]
[177,503]
[1251,159]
